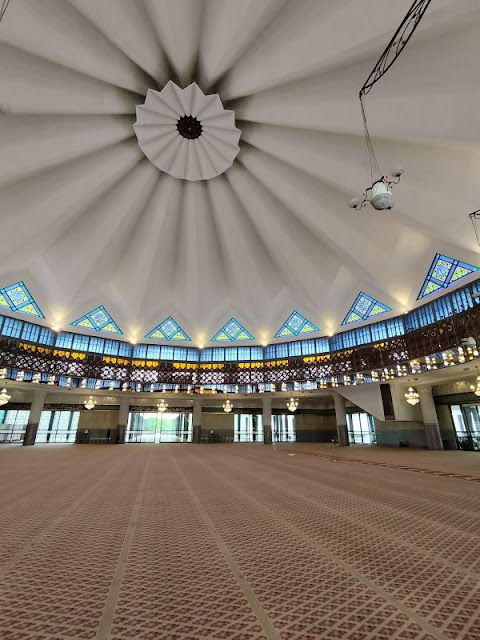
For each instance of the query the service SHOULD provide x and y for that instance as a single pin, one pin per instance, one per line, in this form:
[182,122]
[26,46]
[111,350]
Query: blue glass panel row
[437,310]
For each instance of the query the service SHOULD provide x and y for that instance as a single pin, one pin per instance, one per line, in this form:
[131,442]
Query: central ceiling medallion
[185,133]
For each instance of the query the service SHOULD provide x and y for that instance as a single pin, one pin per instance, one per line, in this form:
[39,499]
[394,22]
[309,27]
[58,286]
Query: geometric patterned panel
[97,320]
[232,331]
[296,325]
[443,272]
[17,297]
[168,330]
[364,307]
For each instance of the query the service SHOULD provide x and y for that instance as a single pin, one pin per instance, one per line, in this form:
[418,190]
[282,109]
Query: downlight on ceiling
[185,133]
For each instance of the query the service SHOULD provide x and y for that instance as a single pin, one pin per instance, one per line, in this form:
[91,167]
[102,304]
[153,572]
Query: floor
[238,541]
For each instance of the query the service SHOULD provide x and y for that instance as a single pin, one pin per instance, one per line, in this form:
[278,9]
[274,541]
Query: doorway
[159,427]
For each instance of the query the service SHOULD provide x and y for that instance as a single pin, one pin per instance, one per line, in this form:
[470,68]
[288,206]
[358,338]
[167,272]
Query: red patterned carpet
[234,541]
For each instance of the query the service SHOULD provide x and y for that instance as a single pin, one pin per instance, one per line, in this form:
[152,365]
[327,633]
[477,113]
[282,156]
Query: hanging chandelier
[228,406]
[412,396]
[90,403]
[474,388]
[162,406]
[292,405]
[4,398]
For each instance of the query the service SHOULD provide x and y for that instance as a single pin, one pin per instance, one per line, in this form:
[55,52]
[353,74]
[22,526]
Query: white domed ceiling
[87,219]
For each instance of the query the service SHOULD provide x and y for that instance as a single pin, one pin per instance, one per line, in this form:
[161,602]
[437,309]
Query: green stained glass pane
[17,296]
[110,328]
[223,336]
[286,332]
[242,336]
[441,270]
[29,308]
[157,334]
[3,301]
[460,272]
[432,286]
[376,309]
[178,336]
[307,328]
[86,323]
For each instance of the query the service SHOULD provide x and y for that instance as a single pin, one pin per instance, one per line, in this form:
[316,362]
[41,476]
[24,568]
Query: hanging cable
[3,8]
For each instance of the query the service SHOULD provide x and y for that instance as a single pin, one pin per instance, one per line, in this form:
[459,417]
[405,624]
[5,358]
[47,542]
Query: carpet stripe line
[469,572]
[354,572]
[108,613]
[262,616]
[55,522]
[454,529]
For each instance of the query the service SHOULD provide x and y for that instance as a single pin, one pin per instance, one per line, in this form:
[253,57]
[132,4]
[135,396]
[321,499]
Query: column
[267,419]
[429,417]
[341,417]
[122,421]
[197,420]
[36,409]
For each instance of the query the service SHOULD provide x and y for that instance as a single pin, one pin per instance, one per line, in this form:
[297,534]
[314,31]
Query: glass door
[159,427]
[361,428]
[247,427]
[466,420]
[13,424]
[283,428]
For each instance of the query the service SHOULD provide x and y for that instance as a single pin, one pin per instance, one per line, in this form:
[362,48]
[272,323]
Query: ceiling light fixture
[292,405]
[228,406]
[4,397]
[90,403]
[412,396]
[162,406]
[379,195]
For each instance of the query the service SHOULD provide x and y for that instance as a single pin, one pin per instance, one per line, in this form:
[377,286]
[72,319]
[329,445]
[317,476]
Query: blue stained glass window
[80,342]
[378,331]
[46,337]
[218,355]
[124,349]
[256,353]
[180,353]
[308,347]
[97,320]
[244,354]
[363,308]
[231,353]
[192,355]
[64,340]
[153,352]
[168,330]
[443,272]
[322,345]
[206,355]
[96,345]
[12,327]
[140,351]
[17,297]
[282,350]
[30,332]
[233,331]
[295,349]
[295,326]
[270,352]
[111,347]
[166,353]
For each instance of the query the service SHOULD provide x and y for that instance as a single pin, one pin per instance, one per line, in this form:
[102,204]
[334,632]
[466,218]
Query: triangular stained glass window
[168,330]
[443,272]
[363,308]
[98,320]
[17,297]
[232,331]
[295,325]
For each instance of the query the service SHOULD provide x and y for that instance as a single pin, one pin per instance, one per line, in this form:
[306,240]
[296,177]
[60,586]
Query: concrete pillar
[429,417]
[36,409]
[267,419]
[341,416]
[197,420]
[122,421]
